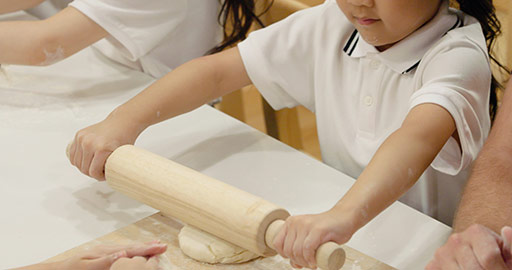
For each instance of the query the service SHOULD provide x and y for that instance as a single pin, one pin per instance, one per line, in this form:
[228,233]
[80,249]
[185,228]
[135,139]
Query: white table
[48,206]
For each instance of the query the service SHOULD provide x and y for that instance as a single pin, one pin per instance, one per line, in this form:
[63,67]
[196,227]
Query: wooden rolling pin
[204,202]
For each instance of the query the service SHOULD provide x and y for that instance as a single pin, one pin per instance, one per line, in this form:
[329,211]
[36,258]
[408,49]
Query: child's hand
[302,235]
[94,144]
[136,263]
[105,257]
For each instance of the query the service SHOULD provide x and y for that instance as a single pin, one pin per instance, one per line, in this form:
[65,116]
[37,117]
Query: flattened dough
[204,247]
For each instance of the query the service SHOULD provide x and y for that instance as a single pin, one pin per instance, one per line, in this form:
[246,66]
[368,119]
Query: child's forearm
[7,6]
[184,89]
[397,165]
[49,41]
[21,43]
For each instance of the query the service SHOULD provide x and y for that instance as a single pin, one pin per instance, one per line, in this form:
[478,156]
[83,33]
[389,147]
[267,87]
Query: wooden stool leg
[289,127]
[270,120]
[233,105]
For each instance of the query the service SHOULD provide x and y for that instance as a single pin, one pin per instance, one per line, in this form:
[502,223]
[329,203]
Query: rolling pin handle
[329,256]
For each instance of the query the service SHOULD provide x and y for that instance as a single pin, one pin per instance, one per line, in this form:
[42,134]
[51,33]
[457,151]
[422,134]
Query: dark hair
[485,12]
[236,17]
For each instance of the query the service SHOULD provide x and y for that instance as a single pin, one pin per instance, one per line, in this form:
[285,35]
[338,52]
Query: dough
[204,247]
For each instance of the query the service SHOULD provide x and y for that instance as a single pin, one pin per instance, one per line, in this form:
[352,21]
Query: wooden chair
[286,124]
[504,10]
[503,46]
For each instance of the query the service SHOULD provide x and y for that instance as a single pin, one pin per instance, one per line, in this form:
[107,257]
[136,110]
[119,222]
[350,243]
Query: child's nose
[367,3]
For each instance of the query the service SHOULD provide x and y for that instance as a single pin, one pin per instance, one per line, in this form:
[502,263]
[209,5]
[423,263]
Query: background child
[153,37]
[400,89]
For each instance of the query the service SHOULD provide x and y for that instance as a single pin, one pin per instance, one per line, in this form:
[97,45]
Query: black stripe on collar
[353,46]
[412,67]
[349,42]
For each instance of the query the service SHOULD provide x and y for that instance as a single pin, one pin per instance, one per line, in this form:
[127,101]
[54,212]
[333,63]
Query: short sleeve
[279,59]
[456,76]
[139,26]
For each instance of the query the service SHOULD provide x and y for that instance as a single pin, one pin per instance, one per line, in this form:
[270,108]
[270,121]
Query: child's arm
[184,89]
[7,6]
[394,168]
[47,41]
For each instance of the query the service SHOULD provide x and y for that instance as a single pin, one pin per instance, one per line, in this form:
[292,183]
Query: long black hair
[236,18]
[485,12]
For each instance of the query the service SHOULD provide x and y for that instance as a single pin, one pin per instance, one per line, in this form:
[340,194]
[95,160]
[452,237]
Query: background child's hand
[302,235]
[94,144]
[104,257]
[136,263]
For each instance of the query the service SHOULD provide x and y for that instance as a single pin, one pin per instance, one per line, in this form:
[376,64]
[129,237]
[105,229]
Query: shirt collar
[405,56]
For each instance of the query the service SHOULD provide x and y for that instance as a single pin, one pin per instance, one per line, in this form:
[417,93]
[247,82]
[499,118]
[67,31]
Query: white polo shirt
[154,36]
[360,96]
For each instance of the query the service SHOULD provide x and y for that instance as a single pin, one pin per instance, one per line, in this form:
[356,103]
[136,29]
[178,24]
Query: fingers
[298,247]
[89,154]
[279,240]
[294,265]
[298,241]
[146,250]
[97,167]
[105,262]
[465,256]
[311,244]
[486,246]
[506,235]
[302,235]
[136,263]
[77,155]
[288,243]
[87,157]
[131,250]
[477,248]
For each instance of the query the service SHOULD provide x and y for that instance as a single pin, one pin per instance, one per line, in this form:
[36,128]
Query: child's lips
[366,21]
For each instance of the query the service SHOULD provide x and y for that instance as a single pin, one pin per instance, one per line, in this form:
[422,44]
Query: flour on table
[164,263]
[205,247]
[4,75]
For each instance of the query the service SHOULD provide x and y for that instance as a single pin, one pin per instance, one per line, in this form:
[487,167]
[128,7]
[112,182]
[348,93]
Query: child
[400,89]
[153,37]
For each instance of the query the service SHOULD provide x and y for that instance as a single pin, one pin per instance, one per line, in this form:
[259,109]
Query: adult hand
[477,248]
[94,144]
[302,235]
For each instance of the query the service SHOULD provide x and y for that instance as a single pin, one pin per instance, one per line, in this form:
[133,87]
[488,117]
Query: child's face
[383,23]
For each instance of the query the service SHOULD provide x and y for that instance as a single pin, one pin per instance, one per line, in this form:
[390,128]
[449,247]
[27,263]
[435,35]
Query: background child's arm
[184,89]
[7,6]
[47,41]
[394,168]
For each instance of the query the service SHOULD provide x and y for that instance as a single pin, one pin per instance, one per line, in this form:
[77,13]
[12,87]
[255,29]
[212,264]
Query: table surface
[48,206]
